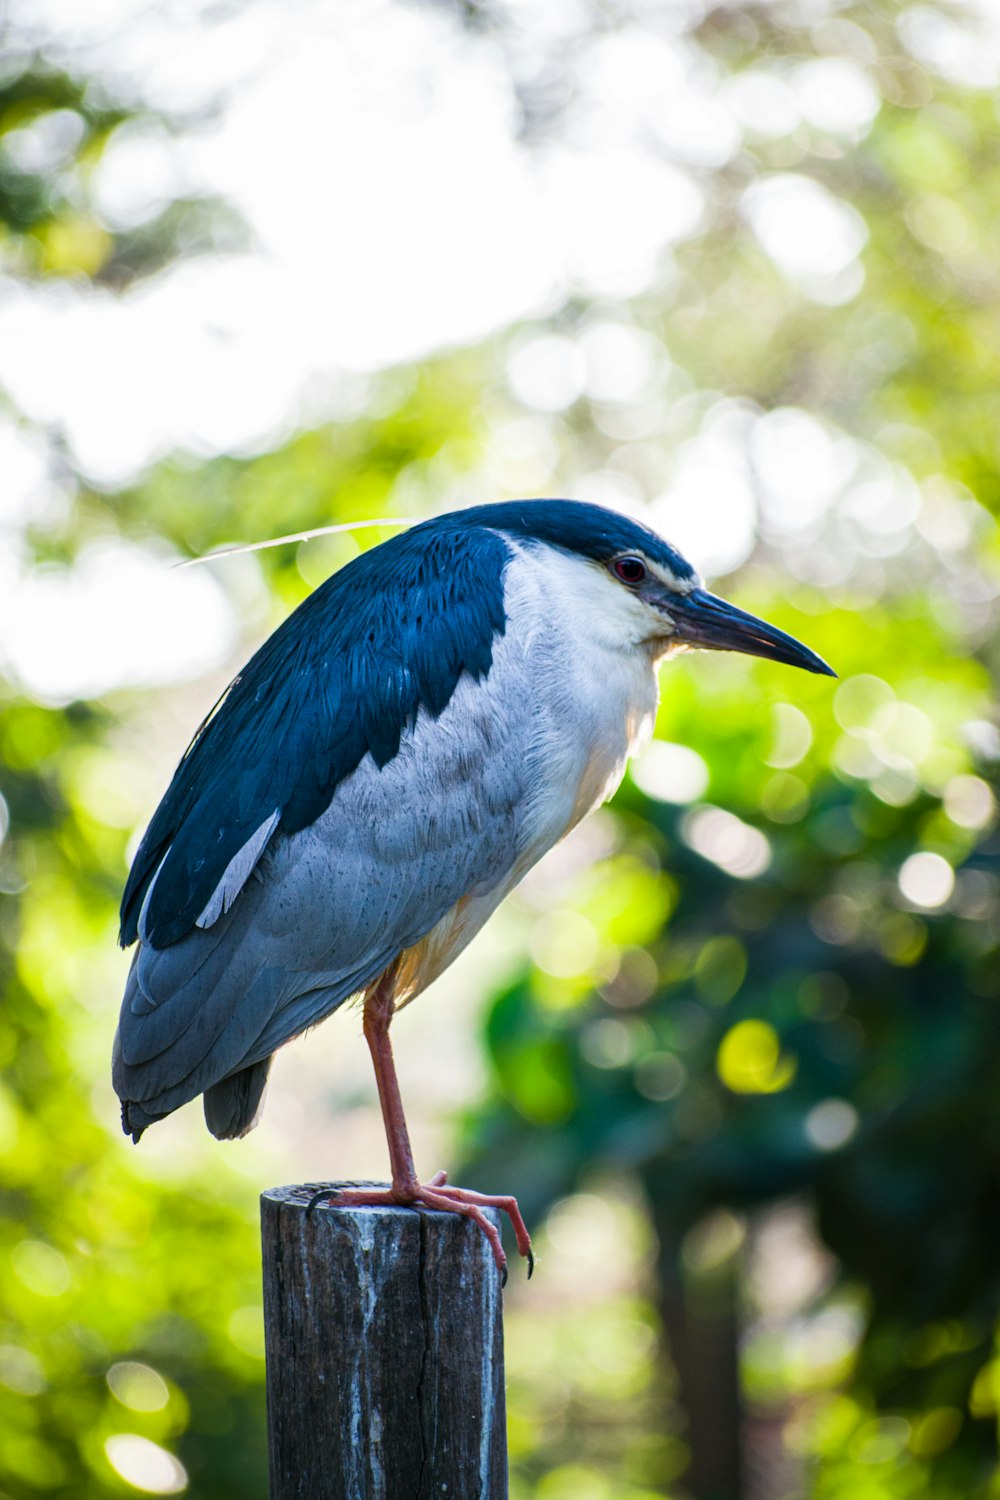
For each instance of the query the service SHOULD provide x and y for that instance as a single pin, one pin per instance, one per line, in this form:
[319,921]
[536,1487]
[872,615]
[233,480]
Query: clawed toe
[323,1195]
[471,1204]
[436,1194]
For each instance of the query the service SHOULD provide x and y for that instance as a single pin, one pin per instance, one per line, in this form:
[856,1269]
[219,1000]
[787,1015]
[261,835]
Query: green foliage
[54,128]
[810,1030]
[107,1269]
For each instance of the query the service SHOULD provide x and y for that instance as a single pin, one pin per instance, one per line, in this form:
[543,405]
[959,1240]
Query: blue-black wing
[390,634]
[438,833]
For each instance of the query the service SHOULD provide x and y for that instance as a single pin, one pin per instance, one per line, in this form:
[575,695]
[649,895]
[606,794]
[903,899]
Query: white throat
[592,673]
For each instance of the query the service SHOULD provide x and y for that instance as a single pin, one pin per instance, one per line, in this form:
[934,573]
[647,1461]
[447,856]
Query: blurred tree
[119,1345]
[54,128]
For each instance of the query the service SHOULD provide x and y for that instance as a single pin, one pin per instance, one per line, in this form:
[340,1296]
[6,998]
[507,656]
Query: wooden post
[384,1338]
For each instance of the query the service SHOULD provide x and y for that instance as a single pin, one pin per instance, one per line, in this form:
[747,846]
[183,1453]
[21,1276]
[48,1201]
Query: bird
[391,762]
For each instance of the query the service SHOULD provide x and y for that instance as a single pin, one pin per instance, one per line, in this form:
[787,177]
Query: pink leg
[406,1188]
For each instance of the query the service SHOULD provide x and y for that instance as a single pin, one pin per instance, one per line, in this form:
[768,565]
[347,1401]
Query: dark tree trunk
[700,1316]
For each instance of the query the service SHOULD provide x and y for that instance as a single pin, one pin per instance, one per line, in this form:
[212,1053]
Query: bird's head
[644,582]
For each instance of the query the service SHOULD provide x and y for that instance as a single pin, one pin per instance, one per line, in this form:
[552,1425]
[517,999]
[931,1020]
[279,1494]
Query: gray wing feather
[237,872]
[322,913]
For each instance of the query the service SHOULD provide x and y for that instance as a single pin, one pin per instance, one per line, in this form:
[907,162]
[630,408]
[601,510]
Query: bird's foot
[438,1195]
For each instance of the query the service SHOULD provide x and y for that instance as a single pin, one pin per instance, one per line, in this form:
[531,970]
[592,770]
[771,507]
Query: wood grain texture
[384,1341]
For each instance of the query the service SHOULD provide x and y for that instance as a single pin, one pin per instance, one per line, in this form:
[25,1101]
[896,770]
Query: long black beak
[704,621]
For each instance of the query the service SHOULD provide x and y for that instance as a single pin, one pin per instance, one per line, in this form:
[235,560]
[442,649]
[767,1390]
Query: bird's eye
[630,569]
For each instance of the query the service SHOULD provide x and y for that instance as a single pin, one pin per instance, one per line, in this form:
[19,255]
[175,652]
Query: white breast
[593,683]
[574,686]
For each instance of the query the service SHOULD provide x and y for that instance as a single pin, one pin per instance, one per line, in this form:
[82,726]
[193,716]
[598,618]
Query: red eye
[630,569]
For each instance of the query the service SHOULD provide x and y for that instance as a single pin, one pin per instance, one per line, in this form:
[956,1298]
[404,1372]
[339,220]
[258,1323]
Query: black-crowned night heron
[381,773]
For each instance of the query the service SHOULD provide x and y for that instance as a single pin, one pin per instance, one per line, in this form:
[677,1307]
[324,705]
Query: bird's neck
[592,670]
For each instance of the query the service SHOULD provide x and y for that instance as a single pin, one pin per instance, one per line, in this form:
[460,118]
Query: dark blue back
[389,634]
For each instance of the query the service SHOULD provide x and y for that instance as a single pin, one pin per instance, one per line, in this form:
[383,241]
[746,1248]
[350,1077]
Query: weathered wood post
[384,1338]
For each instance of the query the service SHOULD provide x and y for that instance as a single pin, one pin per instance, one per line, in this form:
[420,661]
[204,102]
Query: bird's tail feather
[233,1105]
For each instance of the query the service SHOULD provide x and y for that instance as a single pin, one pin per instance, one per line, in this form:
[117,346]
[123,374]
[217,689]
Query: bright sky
[370,147]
